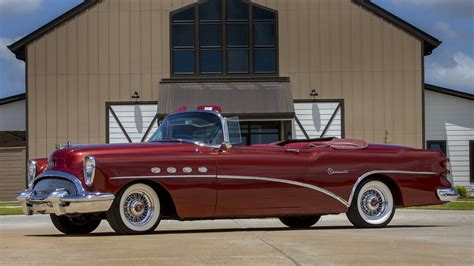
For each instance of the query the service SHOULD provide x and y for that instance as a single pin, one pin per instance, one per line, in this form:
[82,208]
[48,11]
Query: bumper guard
[447,195]
[60,202]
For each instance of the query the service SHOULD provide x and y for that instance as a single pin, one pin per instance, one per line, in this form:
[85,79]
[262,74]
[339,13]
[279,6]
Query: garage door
[131,123]
[318,120]
[12,172]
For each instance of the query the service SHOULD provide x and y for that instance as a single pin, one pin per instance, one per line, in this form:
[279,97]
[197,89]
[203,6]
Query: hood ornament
[66,145]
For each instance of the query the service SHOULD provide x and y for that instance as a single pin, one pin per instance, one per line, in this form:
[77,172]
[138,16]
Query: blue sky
[452,21]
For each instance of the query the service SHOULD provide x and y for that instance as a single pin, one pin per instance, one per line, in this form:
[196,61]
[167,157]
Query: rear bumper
[60,202]
[447,195]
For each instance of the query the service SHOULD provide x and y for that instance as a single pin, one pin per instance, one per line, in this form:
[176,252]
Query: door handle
[295,151]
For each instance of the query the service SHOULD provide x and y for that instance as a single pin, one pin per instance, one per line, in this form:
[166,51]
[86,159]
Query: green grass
[460,205]
[10,209]
[9,204]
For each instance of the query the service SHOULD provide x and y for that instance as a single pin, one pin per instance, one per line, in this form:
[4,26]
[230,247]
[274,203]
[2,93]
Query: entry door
[130,123]
[318,120]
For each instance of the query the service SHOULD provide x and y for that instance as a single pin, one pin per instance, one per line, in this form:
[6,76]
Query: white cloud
[458,8]
[458,76]
[12,70]
[445,29]
[15,7]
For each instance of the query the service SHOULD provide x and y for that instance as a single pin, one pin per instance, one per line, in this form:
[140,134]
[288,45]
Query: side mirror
[225,146]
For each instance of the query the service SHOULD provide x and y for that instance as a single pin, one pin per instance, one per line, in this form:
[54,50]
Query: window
[197,127]
[224,37]
[439,145]
[263,132]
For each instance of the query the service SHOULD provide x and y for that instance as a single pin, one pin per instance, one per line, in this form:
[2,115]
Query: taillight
[449,172]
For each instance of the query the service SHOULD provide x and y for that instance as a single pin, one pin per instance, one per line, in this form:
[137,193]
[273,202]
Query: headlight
[89,170]
[32,167]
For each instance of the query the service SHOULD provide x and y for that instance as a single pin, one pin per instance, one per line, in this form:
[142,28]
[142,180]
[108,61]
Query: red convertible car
[192,168]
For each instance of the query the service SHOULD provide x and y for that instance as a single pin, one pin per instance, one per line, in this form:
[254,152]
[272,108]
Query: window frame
[441,143]
[251,49]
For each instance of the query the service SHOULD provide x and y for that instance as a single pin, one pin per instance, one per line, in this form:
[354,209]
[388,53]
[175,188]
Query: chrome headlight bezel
[89,170]
[32,172]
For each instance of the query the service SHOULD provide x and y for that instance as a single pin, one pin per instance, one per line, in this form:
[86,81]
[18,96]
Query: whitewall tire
[373,205]
[136,210]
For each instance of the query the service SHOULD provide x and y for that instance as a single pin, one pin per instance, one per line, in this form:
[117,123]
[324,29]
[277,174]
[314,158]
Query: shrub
[462,191]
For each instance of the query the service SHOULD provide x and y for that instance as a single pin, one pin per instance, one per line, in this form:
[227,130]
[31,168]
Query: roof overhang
[18,48]
[449,92]
[12,99]
[430,42]
[246,99]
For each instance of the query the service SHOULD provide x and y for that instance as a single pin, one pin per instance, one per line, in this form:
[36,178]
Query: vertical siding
[452,119]
[104,54]
[355,55]
[12,172]
[117,47]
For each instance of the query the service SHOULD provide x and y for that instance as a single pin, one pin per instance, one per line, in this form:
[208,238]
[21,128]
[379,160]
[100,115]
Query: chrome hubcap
[373,203]
[138,208]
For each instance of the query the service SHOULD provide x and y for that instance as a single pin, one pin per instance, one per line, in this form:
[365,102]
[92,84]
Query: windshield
[205,128]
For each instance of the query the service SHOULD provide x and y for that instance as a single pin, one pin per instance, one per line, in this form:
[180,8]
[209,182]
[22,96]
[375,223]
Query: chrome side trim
[162,176]
[290,182]
[362,177]
[77,183]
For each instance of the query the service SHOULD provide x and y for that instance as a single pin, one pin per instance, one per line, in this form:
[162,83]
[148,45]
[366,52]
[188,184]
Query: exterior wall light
[135,95]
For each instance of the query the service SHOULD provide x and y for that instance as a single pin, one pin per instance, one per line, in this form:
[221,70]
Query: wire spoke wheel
[136,210]
[373,205]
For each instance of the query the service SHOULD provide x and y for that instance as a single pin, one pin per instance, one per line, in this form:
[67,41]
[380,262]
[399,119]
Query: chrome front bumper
[60,202]
[447,195]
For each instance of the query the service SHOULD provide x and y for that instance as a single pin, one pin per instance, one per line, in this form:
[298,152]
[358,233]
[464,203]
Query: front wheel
[75,225]
[135,210]
[372,206]
[300,221]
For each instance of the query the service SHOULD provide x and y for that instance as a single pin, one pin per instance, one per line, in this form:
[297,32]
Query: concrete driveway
[414,237]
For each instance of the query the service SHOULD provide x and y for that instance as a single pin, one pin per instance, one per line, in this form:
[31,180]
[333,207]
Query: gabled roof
[18,48]
[430,42]
[12,99]
[450,92]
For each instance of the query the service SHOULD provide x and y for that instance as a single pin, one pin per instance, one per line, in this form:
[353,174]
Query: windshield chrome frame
[225,130]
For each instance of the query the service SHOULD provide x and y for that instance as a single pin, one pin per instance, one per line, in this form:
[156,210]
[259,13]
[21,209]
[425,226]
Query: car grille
[48,185]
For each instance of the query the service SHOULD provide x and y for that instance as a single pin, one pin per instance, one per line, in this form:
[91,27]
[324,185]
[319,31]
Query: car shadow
[243,229]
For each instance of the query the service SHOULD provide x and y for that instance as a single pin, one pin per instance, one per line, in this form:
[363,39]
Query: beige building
[108,70]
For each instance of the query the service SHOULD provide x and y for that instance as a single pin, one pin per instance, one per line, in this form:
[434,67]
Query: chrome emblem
[187,170]
[337,172]
[171,170]
[202,170]
[156,170]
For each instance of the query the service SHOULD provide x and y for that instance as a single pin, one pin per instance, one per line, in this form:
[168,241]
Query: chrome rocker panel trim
[60,202]
[447,195]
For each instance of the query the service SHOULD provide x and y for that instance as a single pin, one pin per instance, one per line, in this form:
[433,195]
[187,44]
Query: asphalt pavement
[413,237]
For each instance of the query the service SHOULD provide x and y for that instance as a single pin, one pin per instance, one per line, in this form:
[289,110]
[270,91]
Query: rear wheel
[75,225]
[372,206]
[135,210]
[300,221]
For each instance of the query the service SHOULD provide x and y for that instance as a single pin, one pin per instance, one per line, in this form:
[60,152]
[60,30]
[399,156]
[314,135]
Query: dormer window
[224,38]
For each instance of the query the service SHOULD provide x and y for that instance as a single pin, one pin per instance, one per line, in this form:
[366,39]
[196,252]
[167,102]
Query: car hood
[70,159]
